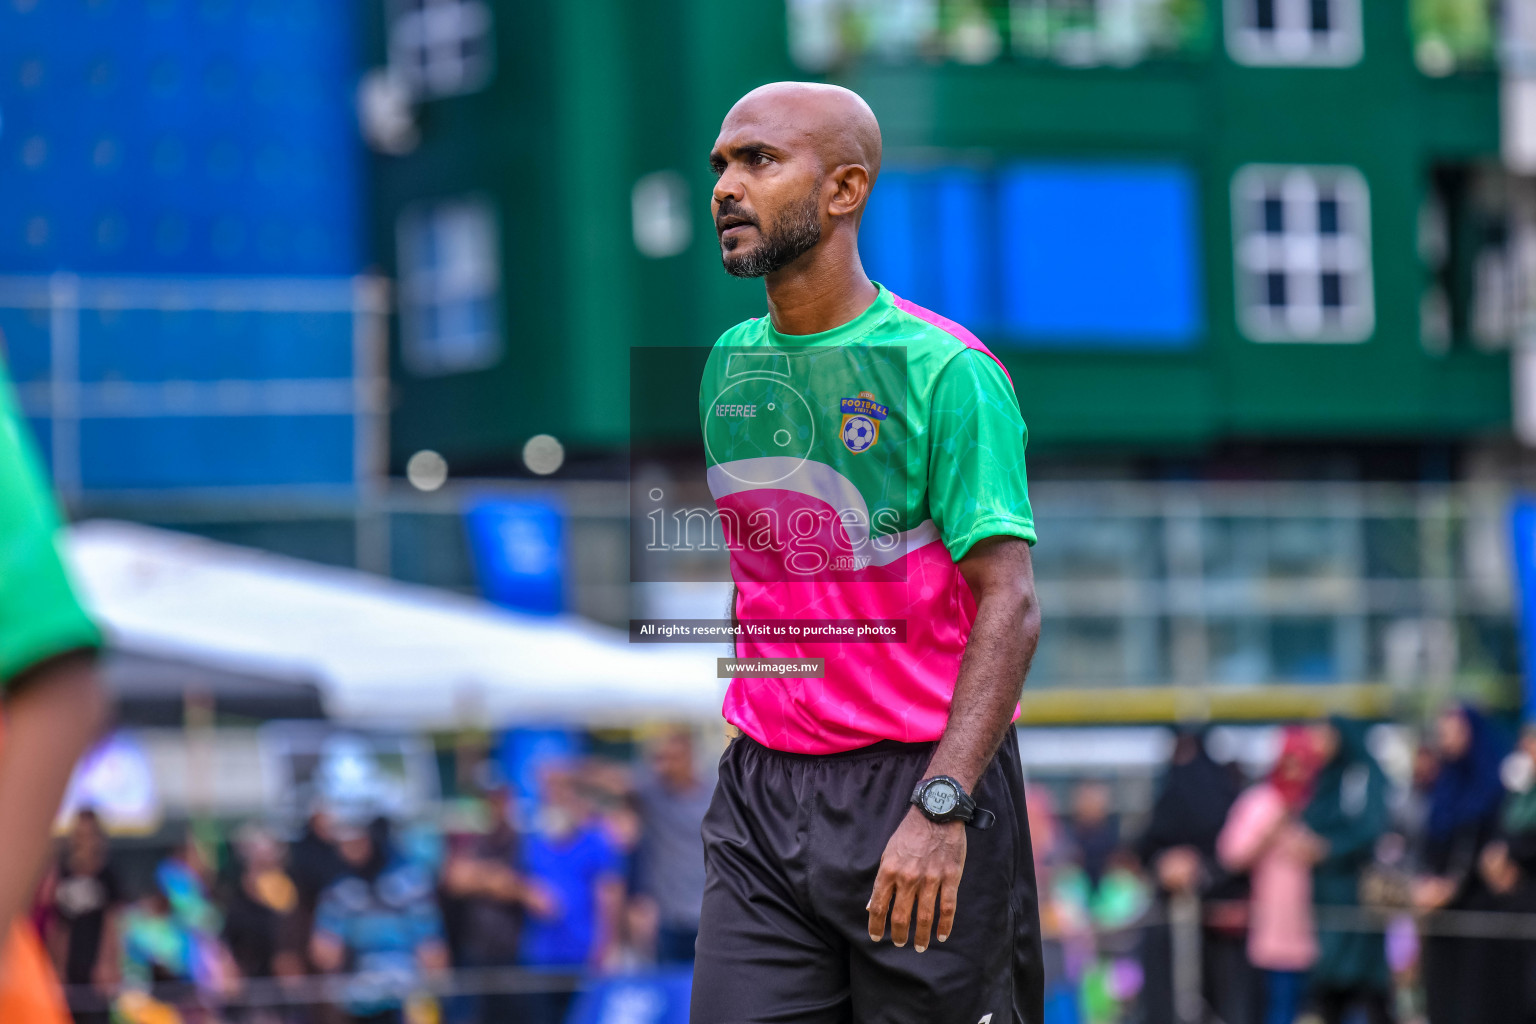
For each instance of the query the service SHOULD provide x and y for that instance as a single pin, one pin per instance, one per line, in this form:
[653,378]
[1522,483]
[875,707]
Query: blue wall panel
[1099,252]
[150,345]
[215,451]
[172,136]
[24,344]
[1045,254]
[964,279]
[178,138]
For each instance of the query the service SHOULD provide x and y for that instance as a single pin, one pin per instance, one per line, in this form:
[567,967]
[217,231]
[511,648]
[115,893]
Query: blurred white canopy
[383,653]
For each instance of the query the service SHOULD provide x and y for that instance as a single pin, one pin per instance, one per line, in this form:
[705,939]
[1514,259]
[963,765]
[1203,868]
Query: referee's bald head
[795,163]
[835,121]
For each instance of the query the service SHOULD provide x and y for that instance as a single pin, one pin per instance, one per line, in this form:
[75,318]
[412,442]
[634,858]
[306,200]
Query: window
[1303,243]
[441,47]
[824,34]
[1477,238]
[449,286]
[661,215]
[1276,32]
[1451,37]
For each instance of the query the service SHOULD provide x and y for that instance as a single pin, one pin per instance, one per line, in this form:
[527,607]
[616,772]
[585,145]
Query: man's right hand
[923,862]
[1179,870]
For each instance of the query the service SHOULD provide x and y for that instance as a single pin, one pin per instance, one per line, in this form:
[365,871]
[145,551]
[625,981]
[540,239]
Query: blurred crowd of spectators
[1321,891]
[358,920]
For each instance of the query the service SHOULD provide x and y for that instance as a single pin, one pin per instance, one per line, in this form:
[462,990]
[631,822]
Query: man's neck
[822,290]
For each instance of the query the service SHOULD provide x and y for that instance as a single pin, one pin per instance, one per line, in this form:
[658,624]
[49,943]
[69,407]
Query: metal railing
[1188,921]
[1217,589]
[69,333]
[1185,918]
[332,990]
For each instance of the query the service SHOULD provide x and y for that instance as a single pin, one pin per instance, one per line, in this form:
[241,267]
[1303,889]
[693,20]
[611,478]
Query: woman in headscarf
[1264,837]
[1347,815]
[1464,803]
[1178,850]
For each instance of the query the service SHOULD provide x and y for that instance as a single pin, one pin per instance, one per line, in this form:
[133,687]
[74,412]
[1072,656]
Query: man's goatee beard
[797,232]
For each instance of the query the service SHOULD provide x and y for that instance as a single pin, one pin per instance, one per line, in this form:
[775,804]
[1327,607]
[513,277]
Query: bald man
[867,460]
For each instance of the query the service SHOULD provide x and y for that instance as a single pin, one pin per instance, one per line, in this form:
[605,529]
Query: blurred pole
[370,436]
[1184,933]
[1517,61]
[64,383]
[1184,556]
[197,722]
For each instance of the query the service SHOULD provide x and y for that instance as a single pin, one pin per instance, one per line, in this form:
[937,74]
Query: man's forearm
[997,658]
[923,860]
[52,718]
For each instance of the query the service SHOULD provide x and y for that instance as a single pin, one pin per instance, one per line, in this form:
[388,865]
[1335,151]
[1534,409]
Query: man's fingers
[927,895]
[901,912]
[949,899]
[879,903]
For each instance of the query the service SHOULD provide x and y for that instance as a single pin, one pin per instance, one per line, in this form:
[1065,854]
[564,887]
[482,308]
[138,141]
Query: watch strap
[966,809]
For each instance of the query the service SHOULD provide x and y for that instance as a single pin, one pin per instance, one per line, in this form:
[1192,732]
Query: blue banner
[1523,544]
[637,999]
[519,551]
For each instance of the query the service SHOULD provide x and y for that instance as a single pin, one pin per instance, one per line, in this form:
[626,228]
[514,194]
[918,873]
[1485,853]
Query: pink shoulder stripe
[948,326]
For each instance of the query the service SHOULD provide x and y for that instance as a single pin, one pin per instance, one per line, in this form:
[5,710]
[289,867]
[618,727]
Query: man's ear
[852,190]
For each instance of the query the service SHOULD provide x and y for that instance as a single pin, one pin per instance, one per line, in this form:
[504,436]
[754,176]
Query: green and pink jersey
[40,617]
[852,469]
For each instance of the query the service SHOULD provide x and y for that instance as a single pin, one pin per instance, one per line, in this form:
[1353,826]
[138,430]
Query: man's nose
[727,187]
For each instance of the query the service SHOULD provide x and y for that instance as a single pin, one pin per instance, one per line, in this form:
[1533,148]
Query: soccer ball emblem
[858,433]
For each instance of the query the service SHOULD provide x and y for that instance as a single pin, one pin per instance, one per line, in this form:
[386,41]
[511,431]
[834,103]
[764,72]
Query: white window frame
[1302,253]
[1292,43]
[428,41]
[468,274]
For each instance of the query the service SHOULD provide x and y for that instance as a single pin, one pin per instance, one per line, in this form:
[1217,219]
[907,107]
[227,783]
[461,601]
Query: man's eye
[759,159]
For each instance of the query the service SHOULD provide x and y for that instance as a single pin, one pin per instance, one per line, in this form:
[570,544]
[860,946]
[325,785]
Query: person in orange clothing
[51,709]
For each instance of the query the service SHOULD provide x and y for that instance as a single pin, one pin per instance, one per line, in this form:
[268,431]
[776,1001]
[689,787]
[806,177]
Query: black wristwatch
[942,800]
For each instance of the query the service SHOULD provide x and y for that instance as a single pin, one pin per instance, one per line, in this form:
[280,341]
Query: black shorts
[792,843]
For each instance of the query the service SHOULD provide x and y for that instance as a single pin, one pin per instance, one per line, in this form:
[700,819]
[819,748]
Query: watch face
[940,798]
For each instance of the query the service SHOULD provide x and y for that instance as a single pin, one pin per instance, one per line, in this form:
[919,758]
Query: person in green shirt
[53,703]
[866,458]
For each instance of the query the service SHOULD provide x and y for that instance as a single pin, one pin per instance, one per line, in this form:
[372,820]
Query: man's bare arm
[53,714]
[923,861]
[997,656]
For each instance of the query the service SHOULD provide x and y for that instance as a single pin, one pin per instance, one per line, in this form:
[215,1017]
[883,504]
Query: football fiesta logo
[861,422]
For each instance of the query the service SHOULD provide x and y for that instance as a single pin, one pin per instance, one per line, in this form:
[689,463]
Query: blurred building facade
[1262,269]
[180,233]
[1183,222]
[1213,240]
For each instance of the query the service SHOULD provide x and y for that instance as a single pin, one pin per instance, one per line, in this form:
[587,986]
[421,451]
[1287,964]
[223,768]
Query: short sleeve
[976,436]
[40,617]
